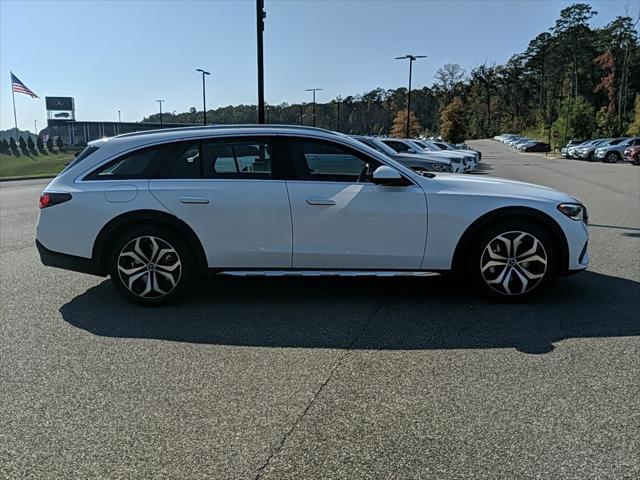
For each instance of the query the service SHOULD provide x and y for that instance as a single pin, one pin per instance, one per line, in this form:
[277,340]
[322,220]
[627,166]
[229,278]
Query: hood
[473,185]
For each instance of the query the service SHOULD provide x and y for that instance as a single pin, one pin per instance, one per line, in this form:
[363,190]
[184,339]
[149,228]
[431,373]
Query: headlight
[574,211]
[438,167]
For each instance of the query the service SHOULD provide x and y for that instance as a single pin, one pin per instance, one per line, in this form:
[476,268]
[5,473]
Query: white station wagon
[155,209]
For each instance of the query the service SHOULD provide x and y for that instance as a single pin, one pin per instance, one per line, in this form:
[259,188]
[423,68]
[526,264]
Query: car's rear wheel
[512,260]
[151,265]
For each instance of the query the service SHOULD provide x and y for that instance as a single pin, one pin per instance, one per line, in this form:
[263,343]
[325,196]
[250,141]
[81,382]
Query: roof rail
[223,127]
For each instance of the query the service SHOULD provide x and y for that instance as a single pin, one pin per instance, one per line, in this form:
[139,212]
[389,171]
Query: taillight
[48,199]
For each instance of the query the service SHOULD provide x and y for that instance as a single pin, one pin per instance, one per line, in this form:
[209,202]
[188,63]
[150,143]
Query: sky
[123,55]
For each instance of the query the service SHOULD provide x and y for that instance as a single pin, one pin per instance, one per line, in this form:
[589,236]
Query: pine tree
[4,146]
[59,143]
[23,144]
[13,146]
[50,144]
[40,144]
[399,128]
[30,144]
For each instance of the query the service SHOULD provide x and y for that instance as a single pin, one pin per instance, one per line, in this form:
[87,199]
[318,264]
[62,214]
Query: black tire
[612,157]
[133,254]
[508,278]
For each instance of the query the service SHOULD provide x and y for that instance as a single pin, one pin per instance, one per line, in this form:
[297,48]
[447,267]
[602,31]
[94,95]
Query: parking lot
[329,378]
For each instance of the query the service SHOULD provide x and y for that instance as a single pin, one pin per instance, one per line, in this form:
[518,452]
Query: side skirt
[325,273]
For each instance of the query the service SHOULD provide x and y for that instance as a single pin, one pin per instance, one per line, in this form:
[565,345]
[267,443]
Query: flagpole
[15,118]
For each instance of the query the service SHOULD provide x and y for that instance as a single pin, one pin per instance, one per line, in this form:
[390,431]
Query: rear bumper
[68,262]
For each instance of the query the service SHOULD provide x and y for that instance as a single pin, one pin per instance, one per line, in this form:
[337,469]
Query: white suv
[153,209]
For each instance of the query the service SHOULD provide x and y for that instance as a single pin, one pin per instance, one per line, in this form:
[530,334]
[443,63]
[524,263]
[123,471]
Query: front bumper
[68,262]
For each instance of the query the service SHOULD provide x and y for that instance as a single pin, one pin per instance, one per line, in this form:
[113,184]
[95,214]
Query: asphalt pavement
[328,378]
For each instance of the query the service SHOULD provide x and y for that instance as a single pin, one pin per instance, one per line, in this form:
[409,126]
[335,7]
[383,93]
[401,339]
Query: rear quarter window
[136,165]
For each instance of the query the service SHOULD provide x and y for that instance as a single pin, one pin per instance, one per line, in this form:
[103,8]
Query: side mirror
[384,175]
[411,150]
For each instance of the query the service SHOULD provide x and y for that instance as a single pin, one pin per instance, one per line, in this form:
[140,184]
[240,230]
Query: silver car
[612,151]
[416,162]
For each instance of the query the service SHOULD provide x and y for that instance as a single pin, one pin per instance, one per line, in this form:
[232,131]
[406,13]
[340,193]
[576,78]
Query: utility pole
[119,117]
[35,124]
[301,111]
[411,58]
[338,100]
[160,103]
[204,96]
[314,90]
[260,16]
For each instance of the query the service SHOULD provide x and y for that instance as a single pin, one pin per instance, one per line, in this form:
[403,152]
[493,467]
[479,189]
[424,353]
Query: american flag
[18,86]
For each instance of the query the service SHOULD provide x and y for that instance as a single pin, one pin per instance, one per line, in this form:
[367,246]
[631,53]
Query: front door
[343,221]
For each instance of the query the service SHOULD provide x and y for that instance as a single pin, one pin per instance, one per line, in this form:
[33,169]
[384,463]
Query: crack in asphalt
[276,449]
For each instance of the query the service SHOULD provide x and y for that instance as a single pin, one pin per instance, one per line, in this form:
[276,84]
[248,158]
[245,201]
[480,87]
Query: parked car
[154,209]
[611,152]
[535,146]
[409,146]
[586,150]
[566,152]
[417,162]
[460,148]
[632,154]
[469,158]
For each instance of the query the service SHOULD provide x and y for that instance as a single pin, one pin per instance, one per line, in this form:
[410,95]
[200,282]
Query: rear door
[341,220]
[230,192]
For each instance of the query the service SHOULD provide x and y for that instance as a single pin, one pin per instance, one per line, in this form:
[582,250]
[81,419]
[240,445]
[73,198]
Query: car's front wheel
[512,260]
[612,157]
[150,265]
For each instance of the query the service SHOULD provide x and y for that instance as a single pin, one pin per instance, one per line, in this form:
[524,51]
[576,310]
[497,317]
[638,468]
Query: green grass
[35,165]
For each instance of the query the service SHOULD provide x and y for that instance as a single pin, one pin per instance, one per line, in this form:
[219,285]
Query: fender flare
[513,212]
[136,217]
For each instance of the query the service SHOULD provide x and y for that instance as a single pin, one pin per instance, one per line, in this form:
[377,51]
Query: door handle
[199,200]
[320,201]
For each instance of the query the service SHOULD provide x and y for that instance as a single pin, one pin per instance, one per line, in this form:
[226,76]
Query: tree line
[572,81]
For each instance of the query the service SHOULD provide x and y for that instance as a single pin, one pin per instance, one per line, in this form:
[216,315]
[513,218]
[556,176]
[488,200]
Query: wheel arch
[501,214]
[138,217]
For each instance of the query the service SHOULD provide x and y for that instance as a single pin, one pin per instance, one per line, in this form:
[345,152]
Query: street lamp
[204,97]
[260,16]
[267,113]
[338,100]
[314,90]
[160,103]
[411,58]
[119,117]
[35,123]
[301,111]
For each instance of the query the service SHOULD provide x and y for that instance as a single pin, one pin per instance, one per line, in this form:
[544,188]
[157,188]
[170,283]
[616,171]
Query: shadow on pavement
[366,313]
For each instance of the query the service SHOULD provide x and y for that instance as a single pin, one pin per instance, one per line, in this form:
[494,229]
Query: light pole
[411,58]
[301,111]
[119,117]
[260,16]
[204,96]
[338,100]
[267,113]
[314,90]
[35,124]
[160,103]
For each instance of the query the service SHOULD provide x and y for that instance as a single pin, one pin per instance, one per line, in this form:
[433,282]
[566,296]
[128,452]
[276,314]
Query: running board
[325,273]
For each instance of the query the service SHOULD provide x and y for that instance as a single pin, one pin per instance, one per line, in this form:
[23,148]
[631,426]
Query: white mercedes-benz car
[155,209]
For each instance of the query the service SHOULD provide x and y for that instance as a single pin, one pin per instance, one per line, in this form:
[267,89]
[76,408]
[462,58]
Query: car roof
[185,133]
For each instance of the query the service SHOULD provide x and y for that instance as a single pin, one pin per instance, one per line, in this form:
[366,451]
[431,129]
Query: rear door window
[182,162]
[241,158]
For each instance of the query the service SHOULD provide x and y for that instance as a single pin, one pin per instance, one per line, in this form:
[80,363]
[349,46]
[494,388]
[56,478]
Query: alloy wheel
[149,267]
[513,263]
